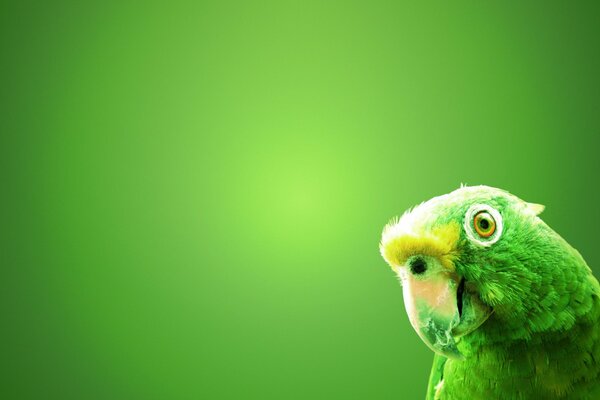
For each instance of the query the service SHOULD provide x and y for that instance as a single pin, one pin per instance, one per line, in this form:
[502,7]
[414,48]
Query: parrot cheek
[431,305]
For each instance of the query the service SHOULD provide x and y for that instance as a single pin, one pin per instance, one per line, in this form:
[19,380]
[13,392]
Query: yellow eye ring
[484,223]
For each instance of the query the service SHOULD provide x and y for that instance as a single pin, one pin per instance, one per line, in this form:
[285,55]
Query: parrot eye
[483,224]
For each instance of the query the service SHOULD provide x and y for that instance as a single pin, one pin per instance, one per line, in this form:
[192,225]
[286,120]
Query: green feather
[436,376]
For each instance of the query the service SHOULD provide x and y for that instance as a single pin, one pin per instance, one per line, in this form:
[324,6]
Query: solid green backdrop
[195,191]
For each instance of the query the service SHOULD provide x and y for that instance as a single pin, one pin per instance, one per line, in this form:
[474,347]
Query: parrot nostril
[418,266]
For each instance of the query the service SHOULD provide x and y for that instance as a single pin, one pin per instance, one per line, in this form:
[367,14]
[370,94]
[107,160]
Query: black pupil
[484,224]
[418,266]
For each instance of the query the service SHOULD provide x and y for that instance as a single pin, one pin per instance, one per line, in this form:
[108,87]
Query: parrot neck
[555,364]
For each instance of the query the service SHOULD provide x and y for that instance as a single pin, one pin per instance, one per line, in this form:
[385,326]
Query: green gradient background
[195,192]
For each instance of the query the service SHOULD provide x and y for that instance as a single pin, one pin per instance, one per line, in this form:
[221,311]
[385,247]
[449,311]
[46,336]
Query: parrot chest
[567,369]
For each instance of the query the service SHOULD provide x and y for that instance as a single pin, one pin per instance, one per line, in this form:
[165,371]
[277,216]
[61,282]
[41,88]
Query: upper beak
[432,307]
[442,307]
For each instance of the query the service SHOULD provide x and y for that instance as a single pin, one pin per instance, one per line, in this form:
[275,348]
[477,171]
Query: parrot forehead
[440,242]
[436,215]
[419,219]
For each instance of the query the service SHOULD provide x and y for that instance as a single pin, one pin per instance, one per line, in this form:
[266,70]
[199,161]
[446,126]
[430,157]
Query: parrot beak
[441,308]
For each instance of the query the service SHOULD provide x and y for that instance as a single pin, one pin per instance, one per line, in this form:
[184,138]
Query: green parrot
[510,309]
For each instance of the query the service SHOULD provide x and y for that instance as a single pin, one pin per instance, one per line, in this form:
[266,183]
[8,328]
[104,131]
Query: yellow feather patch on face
[439,242]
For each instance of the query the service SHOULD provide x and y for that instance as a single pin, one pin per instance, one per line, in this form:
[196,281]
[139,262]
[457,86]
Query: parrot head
[480,258]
